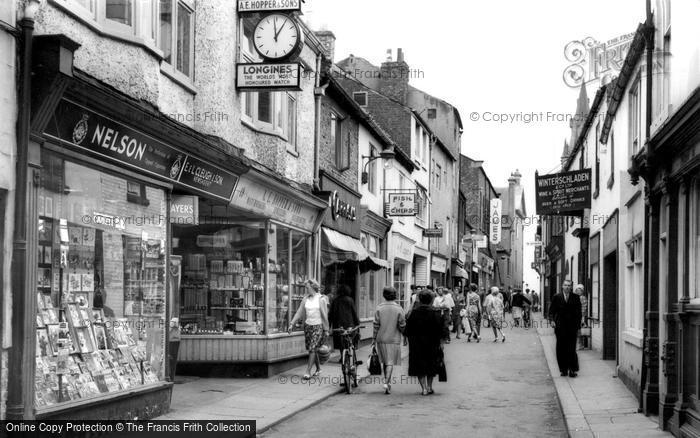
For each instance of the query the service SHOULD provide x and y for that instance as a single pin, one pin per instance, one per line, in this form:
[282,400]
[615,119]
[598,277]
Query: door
[610,307]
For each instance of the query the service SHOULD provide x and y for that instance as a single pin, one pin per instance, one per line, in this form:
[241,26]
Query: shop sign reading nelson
[78,126]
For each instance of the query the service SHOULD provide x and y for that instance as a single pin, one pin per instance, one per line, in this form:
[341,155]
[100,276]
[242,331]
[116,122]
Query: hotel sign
[401,204]
[562,193]
[268,76]
[268,5]
[79,127]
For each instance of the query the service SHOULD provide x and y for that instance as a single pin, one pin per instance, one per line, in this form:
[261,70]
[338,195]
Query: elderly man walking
[565,316]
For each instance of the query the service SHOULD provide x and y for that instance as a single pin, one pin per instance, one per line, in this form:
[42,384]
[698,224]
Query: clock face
[276,36]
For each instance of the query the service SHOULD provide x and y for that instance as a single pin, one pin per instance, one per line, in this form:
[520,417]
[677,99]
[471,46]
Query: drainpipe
[16,403]
[649,30]
[318,94]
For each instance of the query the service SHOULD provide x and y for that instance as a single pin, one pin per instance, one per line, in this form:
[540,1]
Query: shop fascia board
[268,179]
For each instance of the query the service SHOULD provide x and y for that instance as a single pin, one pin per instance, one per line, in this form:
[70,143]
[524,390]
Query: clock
[277,36]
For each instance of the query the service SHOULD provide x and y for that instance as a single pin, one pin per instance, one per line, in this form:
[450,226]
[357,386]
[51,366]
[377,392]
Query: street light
[387,154]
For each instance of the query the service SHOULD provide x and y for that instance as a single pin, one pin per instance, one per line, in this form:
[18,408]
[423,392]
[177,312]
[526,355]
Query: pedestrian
[565,316]
[456,313]
[580,291]
[442,304]
[527,314]
[174,339]
[518,302]
[474,313]
[494,310]
[313,311]
[424,329]
[535,301]
[342,315]
[389,324]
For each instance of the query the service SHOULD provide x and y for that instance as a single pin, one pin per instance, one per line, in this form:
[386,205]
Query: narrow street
[493,389]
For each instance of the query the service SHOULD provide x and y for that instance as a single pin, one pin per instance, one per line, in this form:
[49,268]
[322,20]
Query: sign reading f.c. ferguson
[561,193]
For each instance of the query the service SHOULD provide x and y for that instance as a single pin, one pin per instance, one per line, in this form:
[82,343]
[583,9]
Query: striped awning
[339,248]
[459,272]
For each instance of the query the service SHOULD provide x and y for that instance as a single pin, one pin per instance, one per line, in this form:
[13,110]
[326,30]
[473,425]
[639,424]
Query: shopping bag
[467,326]
[442,370]
[375,368]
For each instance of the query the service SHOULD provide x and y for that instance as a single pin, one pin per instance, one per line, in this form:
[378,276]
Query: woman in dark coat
[343,315]
[424,329]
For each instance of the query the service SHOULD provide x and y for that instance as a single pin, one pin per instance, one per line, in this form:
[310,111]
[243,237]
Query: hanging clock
[277,36]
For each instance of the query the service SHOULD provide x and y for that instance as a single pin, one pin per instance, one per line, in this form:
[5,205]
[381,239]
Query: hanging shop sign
[343,204]
[268,5]
[495,221]
[268,76]
[77,126]
[401,204]
[438,264]
[560,193]
[432,232]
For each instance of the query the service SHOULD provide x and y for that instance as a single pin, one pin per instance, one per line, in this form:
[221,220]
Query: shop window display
[222,276]
[100,285]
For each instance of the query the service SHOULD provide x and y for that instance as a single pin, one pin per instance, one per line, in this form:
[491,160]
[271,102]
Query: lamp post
[387,154]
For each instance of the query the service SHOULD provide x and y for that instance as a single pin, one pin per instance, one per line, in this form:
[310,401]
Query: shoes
[478,339]
[317,373]
[424,392]
[504,338]
[306,377]
[573,374]
[358,362]
[458,337]
[430,391]
[495,340]
[563,374]
[469,339]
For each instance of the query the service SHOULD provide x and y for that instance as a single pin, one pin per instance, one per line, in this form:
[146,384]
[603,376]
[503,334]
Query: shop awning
[339,248]
[373,264]
[460,272]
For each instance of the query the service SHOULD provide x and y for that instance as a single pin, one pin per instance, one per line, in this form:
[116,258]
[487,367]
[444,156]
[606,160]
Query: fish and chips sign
[563,194]
[401,204]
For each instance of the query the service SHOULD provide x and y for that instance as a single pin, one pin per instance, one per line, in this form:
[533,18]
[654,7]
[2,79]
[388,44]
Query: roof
[592,114]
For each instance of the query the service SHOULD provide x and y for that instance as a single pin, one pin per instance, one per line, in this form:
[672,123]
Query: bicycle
[348,357]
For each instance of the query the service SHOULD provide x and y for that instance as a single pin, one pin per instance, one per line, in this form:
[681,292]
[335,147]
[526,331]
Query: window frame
[341,148]
[635,115]
[372,170]
[362,93]
[170,68]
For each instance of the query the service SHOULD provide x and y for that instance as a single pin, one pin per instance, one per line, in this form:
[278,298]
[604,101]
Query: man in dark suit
[565,316]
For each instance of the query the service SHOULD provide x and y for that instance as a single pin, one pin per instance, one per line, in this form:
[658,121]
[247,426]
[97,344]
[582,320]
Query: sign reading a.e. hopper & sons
[79,127]
[562,193]
[268,5]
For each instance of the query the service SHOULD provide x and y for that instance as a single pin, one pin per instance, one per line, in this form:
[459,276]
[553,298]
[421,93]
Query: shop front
[373,239]
[104,172]
[438,270]
[244,265]
[344,256]
[401,254]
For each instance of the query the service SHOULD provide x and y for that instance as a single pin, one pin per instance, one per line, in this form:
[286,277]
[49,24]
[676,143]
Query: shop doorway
[610,306]
[401,284]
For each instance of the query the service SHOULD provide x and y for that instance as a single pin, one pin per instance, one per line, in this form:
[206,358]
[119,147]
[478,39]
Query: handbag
[373,365]
[467,326]
[442,370]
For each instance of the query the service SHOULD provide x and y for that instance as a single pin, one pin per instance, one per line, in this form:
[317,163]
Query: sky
[487,58]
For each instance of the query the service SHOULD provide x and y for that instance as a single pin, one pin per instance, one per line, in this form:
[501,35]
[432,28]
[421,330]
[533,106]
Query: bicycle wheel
[347,373]
[354,368]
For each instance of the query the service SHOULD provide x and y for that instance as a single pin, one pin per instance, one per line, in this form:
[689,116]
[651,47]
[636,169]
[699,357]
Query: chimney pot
[399,55]
[388,55]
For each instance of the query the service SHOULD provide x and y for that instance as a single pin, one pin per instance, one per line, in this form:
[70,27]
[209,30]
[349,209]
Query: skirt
[313,336]
[389,354]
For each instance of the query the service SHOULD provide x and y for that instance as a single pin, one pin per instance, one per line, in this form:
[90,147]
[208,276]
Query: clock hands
[277,32]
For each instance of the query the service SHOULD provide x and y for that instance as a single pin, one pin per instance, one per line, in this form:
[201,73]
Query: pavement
[596,403]
[267,401]
[493,390]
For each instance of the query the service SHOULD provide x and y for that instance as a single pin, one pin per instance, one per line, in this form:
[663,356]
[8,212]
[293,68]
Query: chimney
[388,55]
[394,75]
[327,39]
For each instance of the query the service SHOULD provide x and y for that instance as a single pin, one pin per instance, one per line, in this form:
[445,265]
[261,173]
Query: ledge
[633,337]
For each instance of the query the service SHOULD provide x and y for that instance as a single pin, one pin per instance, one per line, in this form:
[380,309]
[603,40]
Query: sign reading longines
[77,126]
[268,76]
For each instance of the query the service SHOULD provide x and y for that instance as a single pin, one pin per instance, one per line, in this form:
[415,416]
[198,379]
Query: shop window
[101,300]
[136,193]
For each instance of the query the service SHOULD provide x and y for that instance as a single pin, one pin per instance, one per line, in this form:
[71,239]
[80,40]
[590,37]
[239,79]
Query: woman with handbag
[474,313]
[424,329]
[313,311]
[389,323]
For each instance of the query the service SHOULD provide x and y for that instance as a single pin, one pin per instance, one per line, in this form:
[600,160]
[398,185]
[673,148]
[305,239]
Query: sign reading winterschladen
[561,193]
